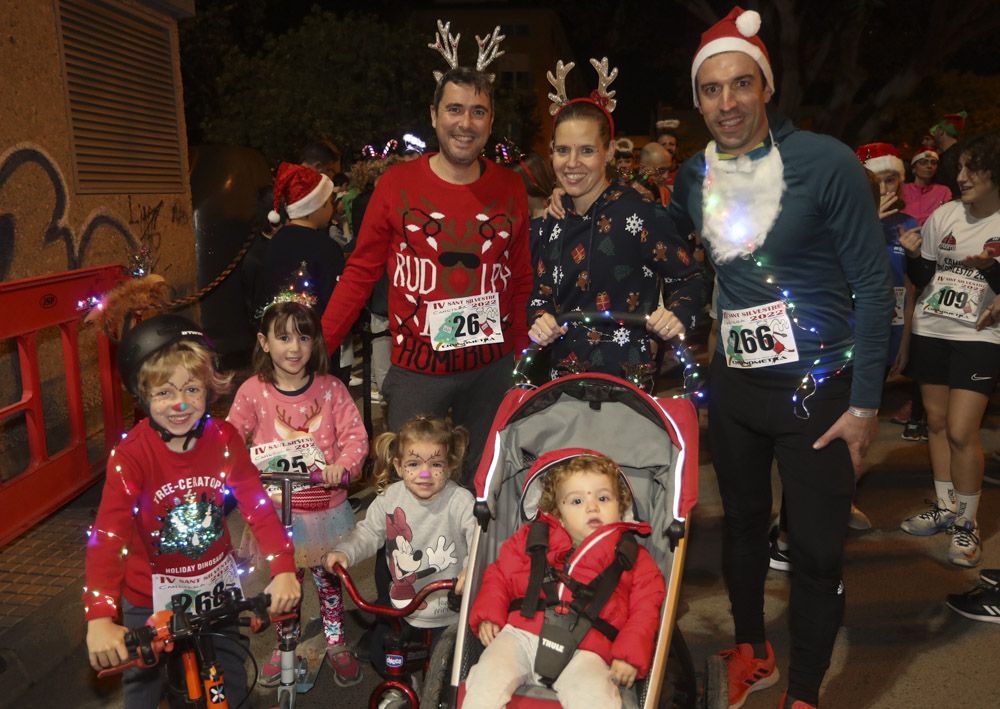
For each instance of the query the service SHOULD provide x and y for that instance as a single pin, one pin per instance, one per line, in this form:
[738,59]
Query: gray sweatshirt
[425,540]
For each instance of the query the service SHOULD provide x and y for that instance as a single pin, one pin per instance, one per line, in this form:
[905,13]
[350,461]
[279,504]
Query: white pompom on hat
[302,189]
[924,153]
[879,157]
[736,32]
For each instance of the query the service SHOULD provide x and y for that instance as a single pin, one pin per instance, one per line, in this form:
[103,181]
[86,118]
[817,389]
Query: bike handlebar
[391,611]
[163,629]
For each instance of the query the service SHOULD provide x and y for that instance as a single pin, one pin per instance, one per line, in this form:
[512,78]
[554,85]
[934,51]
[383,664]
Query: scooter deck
[313,651]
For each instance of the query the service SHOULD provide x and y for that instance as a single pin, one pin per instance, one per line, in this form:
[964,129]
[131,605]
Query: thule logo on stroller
[553,645]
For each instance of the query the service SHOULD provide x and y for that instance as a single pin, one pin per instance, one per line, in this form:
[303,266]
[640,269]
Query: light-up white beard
[740,200]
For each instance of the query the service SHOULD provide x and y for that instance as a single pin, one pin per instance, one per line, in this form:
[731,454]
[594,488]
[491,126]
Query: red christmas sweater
[161,513]
[441,242]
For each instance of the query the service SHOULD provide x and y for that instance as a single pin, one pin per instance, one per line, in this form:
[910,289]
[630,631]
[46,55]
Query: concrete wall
[46,226]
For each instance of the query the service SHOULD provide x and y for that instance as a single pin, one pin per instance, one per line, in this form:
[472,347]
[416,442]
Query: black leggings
[752,423]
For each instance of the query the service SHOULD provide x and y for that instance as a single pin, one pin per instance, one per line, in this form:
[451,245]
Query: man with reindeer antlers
[451,228]
[805,301]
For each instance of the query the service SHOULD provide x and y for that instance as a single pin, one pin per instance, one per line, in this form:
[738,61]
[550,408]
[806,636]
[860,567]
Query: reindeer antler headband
[600,97]
[447,44]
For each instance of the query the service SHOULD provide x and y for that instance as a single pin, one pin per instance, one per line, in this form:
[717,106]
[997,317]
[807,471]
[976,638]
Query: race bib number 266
[758,337]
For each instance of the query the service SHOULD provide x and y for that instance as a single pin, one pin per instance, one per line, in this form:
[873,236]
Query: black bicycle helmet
[149,337]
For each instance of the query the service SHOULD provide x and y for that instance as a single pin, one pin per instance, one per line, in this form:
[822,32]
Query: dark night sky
[652,42]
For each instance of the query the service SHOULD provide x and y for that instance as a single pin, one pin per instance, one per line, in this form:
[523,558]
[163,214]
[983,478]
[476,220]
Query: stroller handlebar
[625,319]
[391,611]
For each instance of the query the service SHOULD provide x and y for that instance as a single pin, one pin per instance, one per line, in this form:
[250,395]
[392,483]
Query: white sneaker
[859,520]
[965,546]
[933,521]
[355,381]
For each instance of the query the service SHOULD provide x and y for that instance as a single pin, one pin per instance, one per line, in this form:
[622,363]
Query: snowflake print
[633,225]
[647,272]
[557,275]
[621,337]
[537,302]
[556,231]
[328,396]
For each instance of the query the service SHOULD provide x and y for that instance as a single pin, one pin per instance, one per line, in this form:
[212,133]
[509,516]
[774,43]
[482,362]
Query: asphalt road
[899,647]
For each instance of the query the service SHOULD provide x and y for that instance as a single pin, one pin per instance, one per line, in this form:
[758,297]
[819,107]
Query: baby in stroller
[572,601]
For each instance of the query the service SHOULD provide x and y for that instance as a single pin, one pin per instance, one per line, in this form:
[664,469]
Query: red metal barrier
[52,479]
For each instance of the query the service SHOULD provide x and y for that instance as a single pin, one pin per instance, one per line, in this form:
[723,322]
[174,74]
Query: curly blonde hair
[194,358]
[427,429]
[587,463]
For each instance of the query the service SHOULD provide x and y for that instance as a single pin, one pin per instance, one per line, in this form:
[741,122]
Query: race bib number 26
[464,322]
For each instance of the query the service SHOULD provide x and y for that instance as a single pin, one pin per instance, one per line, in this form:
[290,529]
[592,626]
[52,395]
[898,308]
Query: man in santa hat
[451,230]
[789,223]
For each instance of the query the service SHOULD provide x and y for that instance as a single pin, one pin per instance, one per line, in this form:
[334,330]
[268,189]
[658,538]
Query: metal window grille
[122,98]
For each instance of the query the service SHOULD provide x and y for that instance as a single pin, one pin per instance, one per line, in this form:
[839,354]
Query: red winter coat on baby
[634,607]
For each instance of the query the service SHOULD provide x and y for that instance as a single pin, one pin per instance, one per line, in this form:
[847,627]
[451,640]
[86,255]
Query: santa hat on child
[736,32]
[302,189]
[878,157]
[951,123]
[924,153]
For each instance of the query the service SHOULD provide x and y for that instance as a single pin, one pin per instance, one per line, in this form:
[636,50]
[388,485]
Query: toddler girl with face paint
[424,520]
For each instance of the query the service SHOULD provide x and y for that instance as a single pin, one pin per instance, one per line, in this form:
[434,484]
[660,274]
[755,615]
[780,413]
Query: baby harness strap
[566,624]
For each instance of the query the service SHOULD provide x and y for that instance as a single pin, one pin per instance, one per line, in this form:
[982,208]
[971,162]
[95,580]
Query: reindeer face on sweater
[288,430]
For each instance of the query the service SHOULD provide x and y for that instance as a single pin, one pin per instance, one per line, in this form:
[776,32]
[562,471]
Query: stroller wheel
[680,686]
[436,682]
[716,683]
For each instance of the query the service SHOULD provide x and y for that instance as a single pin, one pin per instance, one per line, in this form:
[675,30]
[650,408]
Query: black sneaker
[778,557]
[990,577]
[980,603]
[914,431]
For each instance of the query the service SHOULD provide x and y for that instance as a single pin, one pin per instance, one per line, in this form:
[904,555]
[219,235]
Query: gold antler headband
[600,97]
[447,45]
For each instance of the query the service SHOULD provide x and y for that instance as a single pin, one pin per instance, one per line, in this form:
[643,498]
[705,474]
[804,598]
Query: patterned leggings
[331,605]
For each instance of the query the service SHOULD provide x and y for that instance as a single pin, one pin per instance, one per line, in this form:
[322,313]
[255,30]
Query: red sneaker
[746,673]
[347,671]
[797,704]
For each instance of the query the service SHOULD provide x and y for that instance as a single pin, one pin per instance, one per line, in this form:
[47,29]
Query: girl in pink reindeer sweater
[297,417]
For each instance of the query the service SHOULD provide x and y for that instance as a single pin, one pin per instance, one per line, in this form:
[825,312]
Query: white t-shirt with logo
[950,304]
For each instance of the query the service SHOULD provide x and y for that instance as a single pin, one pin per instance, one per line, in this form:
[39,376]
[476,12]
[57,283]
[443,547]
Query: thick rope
[187,300]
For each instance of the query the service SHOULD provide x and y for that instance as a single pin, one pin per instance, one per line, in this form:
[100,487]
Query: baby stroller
[655,441]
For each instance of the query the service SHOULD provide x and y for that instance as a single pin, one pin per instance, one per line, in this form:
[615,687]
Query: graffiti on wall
[58,228]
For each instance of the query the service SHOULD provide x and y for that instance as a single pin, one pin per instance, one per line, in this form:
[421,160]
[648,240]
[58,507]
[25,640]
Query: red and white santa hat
[924,153]
[736,32]
[878,157]
[302,189]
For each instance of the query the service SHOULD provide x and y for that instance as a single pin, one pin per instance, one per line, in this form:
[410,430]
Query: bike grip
[454,601]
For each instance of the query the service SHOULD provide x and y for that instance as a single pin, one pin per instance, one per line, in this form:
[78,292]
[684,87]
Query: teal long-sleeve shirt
[825,246]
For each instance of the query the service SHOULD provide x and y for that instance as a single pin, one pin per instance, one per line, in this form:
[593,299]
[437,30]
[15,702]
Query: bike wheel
[439,670]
